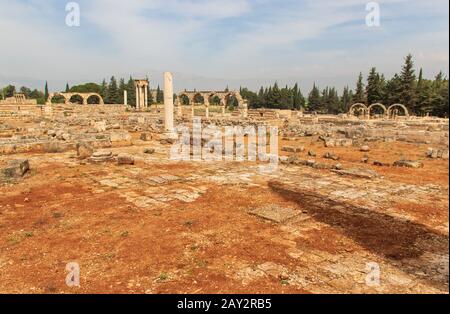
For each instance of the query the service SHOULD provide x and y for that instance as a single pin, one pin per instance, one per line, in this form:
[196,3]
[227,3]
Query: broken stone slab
[125,159]
[437,153]
[167,141]
[365,148]
[312,153]
[84,150]
[381,164]
[275,213]
[146,137]
[408,164]
[102,153]
[291,149]
[332,156]
[357,173]
[149,151]
[16,168]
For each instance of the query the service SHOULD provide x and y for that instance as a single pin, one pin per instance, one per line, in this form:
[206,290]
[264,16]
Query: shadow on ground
[401,242]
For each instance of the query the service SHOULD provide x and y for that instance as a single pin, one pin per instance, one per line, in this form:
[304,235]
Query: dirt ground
[162,226]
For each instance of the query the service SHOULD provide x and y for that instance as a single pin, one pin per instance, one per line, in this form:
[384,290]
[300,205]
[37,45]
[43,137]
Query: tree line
[420,95]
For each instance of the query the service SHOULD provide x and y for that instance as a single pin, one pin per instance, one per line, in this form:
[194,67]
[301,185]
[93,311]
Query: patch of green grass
[163,277]
[28,234]
[284,282]
[124,234]
[57,215]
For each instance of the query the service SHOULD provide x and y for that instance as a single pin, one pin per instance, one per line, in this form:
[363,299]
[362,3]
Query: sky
[211,44]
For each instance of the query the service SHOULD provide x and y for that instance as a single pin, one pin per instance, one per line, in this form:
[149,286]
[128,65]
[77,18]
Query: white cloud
[138,37]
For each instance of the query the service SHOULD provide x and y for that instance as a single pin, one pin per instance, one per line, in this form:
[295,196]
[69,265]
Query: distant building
[18,99]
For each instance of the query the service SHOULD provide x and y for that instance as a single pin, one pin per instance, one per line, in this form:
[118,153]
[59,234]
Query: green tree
[360,95]
[159,95]
[375,87]
[393,87]
[346,100]
[112,96]
[46,94]
[131,92]
[408,82]
[67,88]
[87,88]
[314,99]
[26,91]
[122,88]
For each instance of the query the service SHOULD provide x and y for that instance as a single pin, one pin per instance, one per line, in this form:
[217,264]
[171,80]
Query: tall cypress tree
[346,100]
[408,80]
[46,91]
[131,92]
[67,88]
[103,89]
[112,96]
[314,99]
[159,95]
[374,88]
[360,95]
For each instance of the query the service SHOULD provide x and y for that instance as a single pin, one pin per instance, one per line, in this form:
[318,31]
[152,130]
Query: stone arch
[94,95]
[184,99]
[52,95]
[212,97]
[379,105]
[392,113]
[358,107]
[70,99]
[236,95]
[196,97]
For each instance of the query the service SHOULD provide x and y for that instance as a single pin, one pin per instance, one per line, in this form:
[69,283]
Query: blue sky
[209,44]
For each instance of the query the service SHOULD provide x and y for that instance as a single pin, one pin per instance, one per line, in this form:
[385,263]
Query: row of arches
[225,99]
[75,98]
[378,109]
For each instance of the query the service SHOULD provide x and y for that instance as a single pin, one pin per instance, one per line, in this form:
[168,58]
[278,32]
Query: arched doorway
[397,110]
[57,99]
[76,99]
[377,110]
[94,100]
[359,110]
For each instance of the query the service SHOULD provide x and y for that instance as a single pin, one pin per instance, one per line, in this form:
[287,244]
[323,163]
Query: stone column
[125,98]
[207,111]
[145,96]
[137,97]
[168,102]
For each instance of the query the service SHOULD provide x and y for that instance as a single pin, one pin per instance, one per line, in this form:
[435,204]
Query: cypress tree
[360,96]
[46,91]
[314,99]
[407,81]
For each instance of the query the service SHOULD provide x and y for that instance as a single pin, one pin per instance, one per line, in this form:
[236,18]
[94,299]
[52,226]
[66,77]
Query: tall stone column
[145,96]
[168,102]
[137,98]
[125,98]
